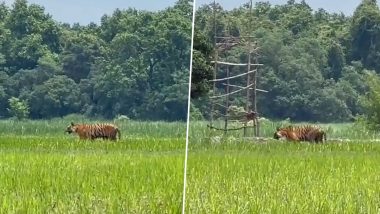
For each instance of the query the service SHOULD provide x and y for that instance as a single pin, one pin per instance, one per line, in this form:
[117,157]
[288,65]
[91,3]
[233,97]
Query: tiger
[93,131]
[301,133]
[316,135]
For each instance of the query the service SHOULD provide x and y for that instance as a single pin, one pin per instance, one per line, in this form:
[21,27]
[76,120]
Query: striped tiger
[301,133]
[93,131]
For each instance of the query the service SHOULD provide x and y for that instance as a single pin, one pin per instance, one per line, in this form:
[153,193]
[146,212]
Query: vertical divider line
[188,110]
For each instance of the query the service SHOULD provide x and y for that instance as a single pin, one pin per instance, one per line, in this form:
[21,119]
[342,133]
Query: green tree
[3,95]
[371,102]
[18,108]
[56,97]
[365,33]
[115,86]
[80,49]
[29,35]
[202,69]
[336,61]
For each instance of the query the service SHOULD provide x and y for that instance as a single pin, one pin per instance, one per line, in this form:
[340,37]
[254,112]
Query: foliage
[202,69]
[315,62]
[371,102]
[135,63]
[365,33]
[18,108]
[195,114]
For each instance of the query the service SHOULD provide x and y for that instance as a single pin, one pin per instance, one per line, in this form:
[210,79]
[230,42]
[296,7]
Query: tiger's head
[282,133]
[71,128]
[278,134]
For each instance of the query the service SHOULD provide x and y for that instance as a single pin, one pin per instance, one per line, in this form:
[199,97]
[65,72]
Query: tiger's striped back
[301,133]
[93,131]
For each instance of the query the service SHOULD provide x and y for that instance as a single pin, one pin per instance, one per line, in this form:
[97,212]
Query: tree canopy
[315,62]
[134,63]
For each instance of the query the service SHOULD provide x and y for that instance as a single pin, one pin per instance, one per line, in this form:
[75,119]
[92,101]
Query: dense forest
[316,64]
[134,63]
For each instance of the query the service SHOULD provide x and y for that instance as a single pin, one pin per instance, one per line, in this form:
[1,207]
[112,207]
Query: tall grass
[284,178]
[351,131]
[44,170]
[56,127]
[231,174]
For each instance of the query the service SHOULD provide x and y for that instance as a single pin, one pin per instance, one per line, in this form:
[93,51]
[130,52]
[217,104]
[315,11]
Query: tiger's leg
[312,136]
[92,136]
[82,136]
[320,136]
[89,135]
[293,137]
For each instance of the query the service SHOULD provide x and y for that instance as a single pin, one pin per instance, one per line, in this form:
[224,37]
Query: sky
[87,11]
[84,12]
[345,6]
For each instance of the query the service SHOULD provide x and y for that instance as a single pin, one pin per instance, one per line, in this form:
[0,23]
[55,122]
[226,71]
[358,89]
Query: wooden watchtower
[223,75]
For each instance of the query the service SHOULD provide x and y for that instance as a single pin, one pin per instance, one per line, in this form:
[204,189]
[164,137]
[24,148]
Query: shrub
[18,108]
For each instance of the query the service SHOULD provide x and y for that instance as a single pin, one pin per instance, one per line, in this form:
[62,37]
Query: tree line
[316,63]
[134,63]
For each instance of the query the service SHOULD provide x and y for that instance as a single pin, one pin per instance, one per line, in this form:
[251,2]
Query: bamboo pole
[231,63]
[227,100]
[241,87]
[233,77]
[234,92]
[215,68]
[248,91]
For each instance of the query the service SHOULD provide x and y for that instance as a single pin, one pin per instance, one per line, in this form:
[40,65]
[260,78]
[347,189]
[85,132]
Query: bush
[18,108]
[195,113]
[371,102]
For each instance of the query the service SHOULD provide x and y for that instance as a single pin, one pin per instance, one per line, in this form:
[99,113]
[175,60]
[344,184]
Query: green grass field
[44,170]
[235,175]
